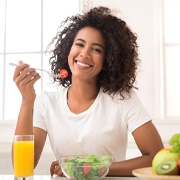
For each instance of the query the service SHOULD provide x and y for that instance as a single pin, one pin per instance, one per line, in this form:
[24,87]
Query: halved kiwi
[167,168]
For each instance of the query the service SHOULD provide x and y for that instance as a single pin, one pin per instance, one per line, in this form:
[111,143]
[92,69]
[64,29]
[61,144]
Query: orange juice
[23,158]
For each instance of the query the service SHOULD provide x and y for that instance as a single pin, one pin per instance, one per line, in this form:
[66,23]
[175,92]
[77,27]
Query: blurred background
[27,27]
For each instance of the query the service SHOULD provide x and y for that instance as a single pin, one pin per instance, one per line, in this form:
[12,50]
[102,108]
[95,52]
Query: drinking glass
[23,157]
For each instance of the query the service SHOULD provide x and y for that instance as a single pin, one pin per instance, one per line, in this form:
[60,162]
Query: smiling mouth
[82,64]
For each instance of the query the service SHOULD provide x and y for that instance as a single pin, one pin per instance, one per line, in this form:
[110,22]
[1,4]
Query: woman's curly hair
[121,50]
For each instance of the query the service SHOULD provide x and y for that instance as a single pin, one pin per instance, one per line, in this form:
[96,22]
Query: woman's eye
[97,50]
[79,44]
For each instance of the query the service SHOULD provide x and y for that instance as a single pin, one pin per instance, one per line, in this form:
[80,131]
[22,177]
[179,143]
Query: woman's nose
[84,53]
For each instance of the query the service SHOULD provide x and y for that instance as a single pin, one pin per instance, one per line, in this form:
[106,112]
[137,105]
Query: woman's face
[87,53]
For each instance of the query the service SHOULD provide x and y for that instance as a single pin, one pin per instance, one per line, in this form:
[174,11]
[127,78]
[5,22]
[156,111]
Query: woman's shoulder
[124,97]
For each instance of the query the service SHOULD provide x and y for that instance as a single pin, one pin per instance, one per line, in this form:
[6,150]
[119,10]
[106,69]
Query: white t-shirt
[100,130]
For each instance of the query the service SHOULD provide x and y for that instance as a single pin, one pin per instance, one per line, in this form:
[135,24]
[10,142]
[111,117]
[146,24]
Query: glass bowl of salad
[85,167]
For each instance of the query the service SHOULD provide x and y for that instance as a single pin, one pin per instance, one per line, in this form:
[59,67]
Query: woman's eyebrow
[97,44]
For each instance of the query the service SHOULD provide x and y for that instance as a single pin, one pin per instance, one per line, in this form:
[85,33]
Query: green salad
[88,167]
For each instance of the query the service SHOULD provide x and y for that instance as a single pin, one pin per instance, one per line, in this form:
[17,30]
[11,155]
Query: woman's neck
[83,92]
[81,96]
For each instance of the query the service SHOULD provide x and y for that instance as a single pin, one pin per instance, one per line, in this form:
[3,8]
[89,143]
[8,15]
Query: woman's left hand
[55,168]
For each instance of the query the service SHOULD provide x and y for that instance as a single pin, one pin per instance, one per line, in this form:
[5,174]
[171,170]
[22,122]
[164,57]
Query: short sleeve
[135,113]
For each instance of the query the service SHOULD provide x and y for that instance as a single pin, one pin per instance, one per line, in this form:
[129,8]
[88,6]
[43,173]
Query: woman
[95,106]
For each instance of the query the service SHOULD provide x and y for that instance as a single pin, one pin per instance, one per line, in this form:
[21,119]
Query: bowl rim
[61,158]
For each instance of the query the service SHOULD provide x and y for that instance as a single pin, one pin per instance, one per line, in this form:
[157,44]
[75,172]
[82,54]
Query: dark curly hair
[121,51]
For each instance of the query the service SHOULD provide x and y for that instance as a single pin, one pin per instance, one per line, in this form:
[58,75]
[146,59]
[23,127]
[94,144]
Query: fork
[50,74]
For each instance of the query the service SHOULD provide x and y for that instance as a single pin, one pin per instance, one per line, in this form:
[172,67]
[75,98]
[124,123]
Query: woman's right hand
[25,78]
[55,168]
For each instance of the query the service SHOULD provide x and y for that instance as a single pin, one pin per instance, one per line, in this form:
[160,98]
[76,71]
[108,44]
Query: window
[171,58]
[27,27]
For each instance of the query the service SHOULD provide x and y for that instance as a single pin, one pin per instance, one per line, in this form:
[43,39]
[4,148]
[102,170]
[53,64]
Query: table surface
[48,177]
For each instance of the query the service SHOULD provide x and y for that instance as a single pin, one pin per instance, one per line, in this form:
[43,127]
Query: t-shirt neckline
[96,101]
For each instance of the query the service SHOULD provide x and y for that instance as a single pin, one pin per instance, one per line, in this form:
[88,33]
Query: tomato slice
[102,170]
[86,168]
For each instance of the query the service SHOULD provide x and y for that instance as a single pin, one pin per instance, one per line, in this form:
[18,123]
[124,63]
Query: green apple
[163,156]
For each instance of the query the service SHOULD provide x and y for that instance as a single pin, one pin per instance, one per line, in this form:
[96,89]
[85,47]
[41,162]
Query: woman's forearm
[25,119]
[125,168]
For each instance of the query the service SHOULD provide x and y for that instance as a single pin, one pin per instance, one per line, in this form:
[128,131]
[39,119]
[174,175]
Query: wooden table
[48,177]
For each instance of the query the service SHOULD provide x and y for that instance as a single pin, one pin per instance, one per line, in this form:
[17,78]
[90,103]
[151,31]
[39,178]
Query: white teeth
[82,64]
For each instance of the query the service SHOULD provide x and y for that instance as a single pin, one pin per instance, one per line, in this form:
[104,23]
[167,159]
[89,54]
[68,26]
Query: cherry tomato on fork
[63,73]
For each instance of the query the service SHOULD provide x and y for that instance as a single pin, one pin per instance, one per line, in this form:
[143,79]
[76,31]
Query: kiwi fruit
[167,168]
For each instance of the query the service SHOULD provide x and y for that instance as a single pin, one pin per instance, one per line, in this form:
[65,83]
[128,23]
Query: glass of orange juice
[23,157]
